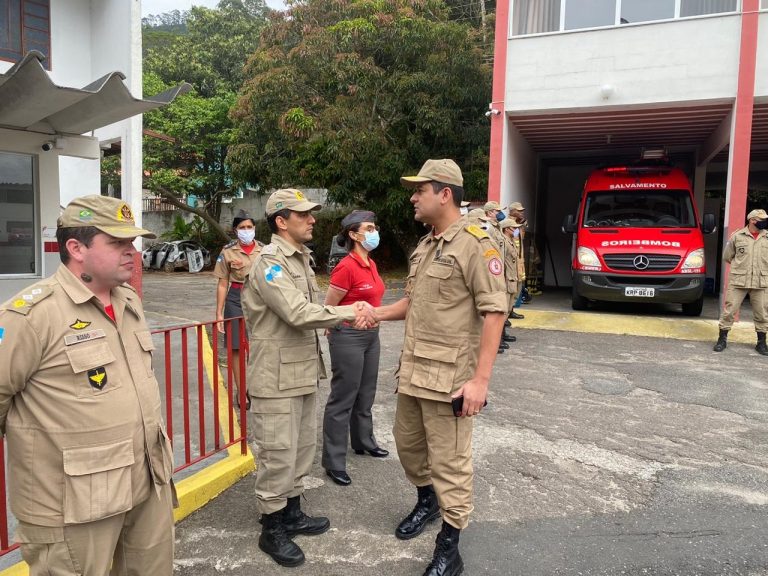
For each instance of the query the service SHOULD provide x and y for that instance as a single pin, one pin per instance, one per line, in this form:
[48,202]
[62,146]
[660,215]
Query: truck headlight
[588,258]
[694,260]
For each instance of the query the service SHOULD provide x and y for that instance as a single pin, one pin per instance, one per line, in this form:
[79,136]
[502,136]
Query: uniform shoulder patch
[24,301]
[269,249]
[476,231]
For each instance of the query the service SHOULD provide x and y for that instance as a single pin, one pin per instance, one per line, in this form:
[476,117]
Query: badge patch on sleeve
[2,333]
[491,253]
[97,378]
[494,265]
[273,273]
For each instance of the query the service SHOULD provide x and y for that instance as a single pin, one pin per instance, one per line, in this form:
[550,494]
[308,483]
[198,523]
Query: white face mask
[464,210]
[516,232]
[246,235]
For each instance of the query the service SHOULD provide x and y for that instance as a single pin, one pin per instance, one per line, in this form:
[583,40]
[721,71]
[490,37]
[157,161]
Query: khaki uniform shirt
[234,263]
[79,403]
[281,309]
[453,279]
[511,272]
[748,258]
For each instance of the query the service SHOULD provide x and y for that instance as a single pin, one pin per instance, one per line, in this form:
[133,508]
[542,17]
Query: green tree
[349,95]
[186,143]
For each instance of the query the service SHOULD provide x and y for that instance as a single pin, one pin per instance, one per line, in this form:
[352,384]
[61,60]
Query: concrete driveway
[599,454]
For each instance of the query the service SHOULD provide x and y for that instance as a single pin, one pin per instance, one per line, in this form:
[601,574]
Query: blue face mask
[500,216]
[371,241]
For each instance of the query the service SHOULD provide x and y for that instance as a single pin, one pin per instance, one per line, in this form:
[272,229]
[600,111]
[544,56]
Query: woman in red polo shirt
[354,353]
[232,266]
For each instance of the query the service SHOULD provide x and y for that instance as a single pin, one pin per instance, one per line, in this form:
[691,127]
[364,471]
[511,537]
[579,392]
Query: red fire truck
[638,237]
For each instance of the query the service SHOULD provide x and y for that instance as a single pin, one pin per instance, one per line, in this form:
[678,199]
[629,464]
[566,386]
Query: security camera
[493,112]
[48,146]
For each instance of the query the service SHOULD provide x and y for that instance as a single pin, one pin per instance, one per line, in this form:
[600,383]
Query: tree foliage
[349,95]
[186,143]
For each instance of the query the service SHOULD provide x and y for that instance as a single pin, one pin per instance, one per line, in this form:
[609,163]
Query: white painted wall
[761,76]
[675,61]
[519,181]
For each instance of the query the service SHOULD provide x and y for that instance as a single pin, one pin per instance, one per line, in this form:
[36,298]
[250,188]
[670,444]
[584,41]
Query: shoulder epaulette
[24,301]
[269,249]
[259,243]
[229,244]
[476,231]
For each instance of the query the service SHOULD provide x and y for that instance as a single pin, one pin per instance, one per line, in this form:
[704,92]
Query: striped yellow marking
[605,323]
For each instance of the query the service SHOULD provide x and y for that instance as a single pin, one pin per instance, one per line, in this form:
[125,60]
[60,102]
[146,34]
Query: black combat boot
[274,541]
[296,522]
[722,341]
[760,346]
[507,337]
[446,561]
[425,511]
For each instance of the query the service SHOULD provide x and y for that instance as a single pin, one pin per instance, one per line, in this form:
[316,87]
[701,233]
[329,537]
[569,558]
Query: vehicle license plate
[641,292]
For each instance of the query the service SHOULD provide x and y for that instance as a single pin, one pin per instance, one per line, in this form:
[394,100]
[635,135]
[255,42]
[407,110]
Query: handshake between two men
[365,316]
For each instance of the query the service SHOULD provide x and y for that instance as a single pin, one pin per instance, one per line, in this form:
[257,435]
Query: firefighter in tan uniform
[454,311]
[232,267]
[89,460]
[282,312]
[511,261]
[747,252]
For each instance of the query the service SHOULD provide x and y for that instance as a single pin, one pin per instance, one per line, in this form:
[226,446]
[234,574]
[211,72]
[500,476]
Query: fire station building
[584,83]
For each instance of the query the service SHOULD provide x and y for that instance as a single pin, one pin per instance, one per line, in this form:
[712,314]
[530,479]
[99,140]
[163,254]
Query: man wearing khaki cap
[454,312]
[89,460]
[282,311]
[747,253]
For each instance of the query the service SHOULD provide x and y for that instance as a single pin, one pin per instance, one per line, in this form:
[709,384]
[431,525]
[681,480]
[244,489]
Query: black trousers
[355,366]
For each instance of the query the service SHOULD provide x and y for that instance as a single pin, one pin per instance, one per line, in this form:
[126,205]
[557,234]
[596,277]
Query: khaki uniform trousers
[435,448]
[733,299]
[135,543]
[511,297]
[285,430]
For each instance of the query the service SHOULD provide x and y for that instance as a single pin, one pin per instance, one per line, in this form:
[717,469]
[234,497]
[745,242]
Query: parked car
[335,255]
[177,255]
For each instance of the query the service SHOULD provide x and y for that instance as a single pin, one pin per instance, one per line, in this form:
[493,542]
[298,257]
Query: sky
[159,6]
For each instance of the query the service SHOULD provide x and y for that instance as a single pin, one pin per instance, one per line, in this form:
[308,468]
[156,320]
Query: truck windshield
[639,209]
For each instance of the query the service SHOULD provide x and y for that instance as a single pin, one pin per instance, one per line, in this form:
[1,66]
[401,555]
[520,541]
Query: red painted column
[741,132]
[496,152]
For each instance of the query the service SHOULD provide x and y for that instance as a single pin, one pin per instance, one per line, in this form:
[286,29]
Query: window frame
[617,19]
[37,241]
[7,54]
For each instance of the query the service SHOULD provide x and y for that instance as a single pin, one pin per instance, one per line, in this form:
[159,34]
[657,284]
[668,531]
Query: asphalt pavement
[598,454]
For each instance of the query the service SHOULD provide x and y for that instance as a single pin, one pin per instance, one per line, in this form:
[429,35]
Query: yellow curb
[197,490]
[605,323]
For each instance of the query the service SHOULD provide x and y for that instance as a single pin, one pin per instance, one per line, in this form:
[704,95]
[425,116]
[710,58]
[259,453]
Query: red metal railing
[205,373]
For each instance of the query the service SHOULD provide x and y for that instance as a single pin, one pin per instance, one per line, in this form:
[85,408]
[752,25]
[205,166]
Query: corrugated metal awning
[29,100]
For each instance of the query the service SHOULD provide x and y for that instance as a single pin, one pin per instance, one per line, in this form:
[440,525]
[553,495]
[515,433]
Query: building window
[536,16]
[589,13]
[540,16]
[764,4]
[646,10]
[17,215]
[25,25]
[703,7]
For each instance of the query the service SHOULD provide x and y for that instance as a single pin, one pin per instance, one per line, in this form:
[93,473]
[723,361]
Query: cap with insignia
[509,223]
[109,215]
[445,171]
[290,199]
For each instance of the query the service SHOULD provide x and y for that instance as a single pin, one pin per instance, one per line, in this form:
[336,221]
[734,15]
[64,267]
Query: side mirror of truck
[569,225]
[709,224]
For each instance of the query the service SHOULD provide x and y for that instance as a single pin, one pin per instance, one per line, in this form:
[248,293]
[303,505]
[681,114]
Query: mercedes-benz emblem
[641,262]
